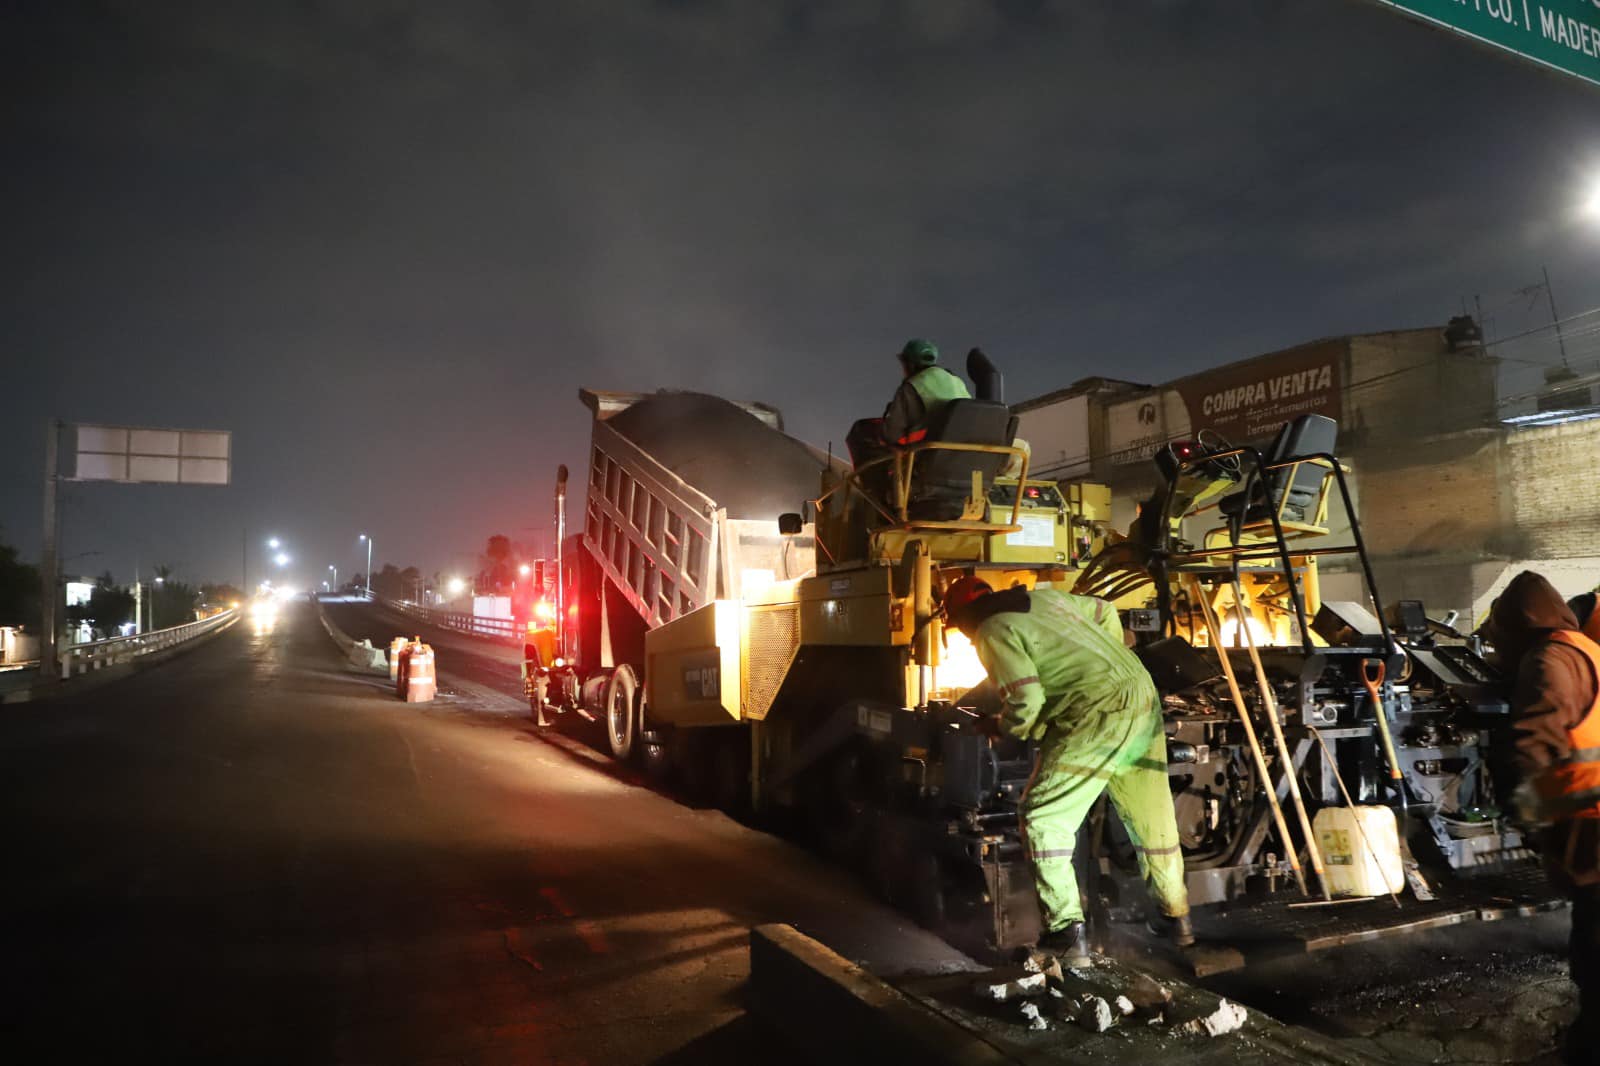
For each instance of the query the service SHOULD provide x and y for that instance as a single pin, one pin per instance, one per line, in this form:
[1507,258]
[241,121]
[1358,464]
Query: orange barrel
[402,676]
[396,646]
[419,665]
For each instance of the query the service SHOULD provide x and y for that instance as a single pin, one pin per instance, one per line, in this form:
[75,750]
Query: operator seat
[1297,488]
[941,481]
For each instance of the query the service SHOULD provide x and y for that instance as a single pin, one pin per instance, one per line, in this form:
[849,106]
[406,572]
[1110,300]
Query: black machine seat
[942,480]
[1297,488]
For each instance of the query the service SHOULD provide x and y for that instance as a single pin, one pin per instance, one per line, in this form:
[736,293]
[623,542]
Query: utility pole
[1550,294]
[48,577]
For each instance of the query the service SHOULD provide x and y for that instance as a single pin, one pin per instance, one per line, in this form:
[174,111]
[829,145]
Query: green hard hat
[919,353]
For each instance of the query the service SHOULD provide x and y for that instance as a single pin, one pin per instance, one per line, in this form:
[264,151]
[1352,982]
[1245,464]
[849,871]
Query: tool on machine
[1372,676]
[1269,704]
[1338,778]
[1215,629]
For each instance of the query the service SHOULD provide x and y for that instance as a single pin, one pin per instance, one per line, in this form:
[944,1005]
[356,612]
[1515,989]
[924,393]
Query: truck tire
[622,713]
[656,755]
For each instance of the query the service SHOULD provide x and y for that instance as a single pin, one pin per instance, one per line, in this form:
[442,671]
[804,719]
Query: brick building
[1453,502]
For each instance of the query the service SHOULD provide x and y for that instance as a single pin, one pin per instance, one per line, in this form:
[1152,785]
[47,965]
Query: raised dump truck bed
[685,491]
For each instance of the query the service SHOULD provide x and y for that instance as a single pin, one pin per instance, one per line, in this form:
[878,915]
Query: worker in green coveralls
[1068,681]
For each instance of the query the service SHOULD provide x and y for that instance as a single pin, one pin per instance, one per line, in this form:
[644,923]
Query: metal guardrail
[98,654]
[503,629]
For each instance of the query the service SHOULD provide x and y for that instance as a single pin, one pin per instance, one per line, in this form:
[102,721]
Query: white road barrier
[360,653]
[99,654]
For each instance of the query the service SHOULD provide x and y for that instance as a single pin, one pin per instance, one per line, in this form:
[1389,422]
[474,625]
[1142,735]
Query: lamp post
[335,570]
[369,564]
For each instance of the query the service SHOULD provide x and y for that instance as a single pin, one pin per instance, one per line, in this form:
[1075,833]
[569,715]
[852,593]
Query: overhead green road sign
[1564,34]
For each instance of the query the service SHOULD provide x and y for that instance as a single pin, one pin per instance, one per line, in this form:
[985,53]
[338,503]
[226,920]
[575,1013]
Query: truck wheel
[622,713]
[657,756]
[540,700]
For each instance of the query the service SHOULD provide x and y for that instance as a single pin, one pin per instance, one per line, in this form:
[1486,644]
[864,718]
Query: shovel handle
[1372,677]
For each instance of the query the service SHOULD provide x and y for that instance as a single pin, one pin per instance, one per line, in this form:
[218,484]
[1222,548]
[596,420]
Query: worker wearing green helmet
[925,389]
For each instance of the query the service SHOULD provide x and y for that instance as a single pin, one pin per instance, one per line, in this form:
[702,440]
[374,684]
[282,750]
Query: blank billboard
[160,456]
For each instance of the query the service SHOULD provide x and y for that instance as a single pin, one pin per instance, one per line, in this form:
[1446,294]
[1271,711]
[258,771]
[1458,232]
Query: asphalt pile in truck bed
[746,466]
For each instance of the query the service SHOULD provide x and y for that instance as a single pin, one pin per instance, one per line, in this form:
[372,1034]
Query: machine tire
[926,892]
[622,713]
[838,806]
[730,773]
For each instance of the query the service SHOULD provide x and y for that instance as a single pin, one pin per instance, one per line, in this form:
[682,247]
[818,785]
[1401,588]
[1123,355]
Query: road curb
[841,1013]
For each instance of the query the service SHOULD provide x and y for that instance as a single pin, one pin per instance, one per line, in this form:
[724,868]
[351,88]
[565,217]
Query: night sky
[386,243]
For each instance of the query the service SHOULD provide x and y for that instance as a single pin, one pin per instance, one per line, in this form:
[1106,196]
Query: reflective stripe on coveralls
[1068,681]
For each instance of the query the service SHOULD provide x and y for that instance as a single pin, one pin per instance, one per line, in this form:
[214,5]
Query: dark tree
[394,583]
[19,590]
[220,595]
[172,602]
[499,567]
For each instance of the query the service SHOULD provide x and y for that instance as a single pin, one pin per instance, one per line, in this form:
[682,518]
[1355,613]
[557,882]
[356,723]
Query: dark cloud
[386,242]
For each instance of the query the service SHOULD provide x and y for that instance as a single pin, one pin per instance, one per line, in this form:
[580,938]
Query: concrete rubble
[1144,1000]
[1021,988]
[1095,1014]
[1034,1016]
[1227,1018]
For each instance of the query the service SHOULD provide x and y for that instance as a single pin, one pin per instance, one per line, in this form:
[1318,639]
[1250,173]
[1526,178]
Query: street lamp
[369,564]
[282,558]
[274,543]
[457,586]
[335,570]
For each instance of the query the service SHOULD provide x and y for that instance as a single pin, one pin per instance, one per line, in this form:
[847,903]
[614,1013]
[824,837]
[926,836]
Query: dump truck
[683,497]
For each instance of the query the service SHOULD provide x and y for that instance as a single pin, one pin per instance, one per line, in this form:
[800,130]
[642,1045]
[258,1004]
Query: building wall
[1555,489]
[1406,384]
[1452,505]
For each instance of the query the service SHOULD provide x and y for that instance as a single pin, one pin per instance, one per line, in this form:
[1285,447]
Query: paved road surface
[251,854]
[1480,992]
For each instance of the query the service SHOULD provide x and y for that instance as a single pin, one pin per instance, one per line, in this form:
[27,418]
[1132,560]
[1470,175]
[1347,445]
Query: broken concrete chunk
[1036,1019]
[1022,987]
[1045,963]
[1124,1005]
[1149,996]
[1095,1015]
[1225,1019]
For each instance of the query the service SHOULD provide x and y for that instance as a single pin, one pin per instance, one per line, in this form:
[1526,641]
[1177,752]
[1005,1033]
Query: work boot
[1179,930]
[1070,945]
